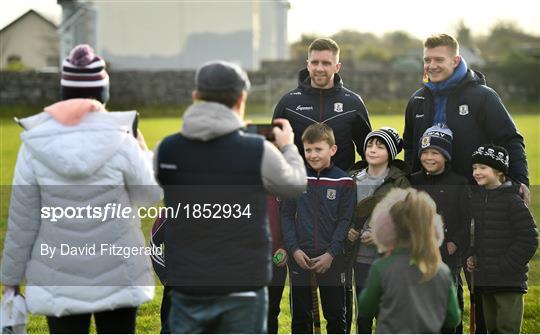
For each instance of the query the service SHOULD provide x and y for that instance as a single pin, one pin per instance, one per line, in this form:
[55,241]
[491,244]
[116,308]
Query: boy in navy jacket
[450,192]
[505,240]
[314,228]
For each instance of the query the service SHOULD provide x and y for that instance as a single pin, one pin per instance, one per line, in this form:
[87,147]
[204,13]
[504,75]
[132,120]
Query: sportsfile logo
[304,108]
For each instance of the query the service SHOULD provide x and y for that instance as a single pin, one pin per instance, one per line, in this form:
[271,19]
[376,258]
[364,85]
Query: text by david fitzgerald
[102,249]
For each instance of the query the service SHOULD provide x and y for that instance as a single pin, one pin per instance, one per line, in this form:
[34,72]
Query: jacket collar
[471,77]
[321,173]
[70,112]
[397,168]
[446,171]
[506,187]
[450,83]
[304,82]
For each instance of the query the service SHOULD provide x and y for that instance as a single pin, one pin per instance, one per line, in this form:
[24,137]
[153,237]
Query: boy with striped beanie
[84,75]
[449,191]
[374,177]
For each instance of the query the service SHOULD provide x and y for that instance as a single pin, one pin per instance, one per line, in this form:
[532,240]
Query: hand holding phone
[266,130]
[283,132]
[279,132]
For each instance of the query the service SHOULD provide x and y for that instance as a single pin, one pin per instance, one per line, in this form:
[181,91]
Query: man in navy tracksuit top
[321,98]
[458,97]
[314,227]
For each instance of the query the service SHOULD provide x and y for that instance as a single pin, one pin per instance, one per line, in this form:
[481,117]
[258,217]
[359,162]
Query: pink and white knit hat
[84,75]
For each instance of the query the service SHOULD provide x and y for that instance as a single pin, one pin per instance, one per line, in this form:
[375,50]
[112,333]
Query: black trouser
[349,300]
[361,270]
[332,291]
[118,321]
[456,277]
[479,311]
[165,308]
[275,291]
[350,253]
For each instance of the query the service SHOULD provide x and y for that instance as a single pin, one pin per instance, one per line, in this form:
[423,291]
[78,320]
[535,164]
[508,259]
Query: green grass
[375,107]
[154,129]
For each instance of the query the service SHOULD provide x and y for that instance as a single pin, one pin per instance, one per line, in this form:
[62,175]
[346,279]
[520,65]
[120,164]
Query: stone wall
[169,88]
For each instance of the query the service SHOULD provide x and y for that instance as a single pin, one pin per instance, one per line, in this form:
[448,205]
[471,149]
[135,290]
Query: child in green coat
[410,289]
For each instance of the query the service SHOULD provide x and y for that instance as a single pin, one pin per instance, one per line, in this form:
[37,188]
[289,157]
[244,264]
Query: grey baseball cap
[221,76]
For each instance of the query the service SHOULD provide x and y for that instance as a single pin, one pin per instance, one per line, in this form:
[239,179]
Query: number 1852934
[217,211]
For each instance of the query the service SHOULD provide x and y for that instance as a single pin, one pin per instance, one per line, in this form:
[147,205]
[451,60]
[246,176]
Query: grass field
[155,129]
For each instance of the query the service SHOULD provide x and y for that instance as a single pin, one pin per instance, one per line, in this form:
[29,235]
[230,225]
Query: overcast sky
[325,17]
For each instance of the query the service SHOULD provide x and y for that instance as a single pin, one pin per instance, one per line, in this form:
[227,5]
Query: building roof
[471,56]
[30,12]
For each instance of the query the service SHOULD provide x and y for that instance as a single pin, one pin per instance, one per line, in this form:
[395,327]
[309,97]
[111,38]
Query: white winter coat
[95,162]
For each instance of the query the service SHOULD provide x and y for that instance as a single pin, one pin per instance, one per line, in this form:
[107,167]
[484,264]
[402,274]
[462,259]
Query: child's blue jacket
[318,221]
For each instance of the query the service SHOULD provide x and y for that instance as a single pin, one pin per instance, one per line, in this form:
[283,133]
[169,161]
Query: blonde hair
[407,218]
[442,40]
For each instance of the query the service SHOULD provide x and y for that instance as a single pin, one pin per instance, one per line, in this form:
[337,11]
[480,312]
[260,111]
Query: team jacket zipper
[321,106]
[316,215]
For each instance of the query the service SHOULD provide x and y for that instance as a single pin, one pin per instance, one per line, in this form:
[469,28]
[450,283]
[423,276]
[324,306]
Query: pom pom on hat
[82,55]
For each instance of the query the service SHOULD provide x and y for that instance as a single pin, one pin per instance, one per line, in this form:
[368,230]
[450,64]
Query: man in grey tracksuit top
[219,258]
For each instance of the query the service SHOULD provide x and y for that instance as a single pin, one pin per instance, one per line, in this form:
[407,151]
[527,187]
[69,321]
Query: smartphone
[135,125]
[265,130]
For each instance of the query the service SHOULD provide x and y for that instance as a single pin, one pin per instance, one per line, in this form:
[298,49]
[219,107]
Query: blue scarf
[440,91]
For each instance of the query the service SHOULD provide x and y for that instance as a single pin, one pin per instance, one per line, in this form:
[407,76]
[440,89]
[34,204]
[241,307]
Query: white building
[177,35]
[30,40]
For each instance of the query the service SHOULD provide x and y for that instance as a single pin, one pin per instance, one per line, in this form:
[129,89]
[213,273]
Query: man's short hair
[221,82]
[319,132]
[322,44]
[446,40]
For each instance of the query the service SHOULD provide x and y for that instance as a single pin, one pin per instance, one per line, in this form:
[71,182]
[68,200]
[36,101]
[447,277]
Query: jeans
[240,313]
